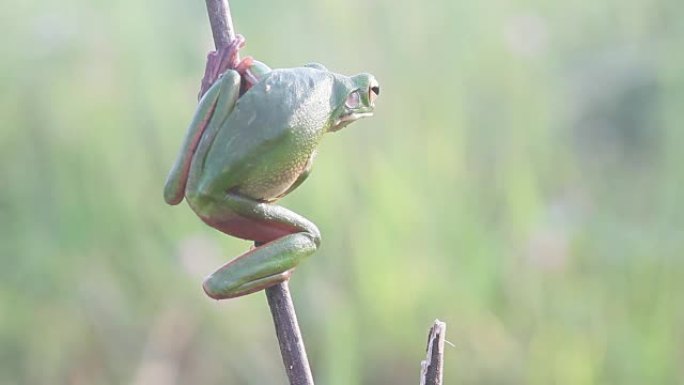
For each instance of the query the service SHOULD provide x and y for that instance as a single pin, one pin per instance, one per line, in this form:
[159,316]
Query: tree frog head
[354,98]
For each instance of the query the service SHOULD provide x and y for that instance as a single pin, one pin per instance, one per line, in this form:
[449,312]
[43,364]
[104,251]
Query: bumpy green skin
[243,153]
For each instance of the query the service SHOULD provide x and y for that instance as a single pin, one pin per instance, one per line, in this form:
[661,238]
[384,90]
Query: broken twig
[431,367]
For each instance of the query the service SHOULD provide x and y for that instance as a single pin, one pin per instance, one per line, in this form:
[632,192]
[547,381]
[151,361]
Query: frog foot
[244,69]
[221,60]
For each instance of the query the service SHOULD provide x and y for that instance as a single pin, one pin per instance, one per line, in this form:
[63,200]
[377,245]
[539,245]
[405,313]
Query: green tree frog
[245,150]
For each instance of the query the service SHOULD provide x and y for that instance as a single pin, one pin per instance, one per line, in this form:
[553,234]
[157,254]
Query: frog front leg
[287,237]
[213,108]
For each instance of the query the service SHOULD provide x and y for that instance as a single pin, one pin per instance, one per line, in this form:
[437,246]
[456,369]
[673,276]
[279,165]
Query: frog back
[266,142]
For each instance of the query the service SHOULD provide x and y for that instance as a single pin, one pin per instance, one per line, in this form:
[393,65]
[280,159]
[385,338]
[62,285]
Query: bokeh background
[521,180]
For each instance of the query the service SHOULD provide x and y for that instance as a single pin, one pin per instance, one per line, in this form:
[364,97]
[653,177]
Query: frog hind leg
[285,239]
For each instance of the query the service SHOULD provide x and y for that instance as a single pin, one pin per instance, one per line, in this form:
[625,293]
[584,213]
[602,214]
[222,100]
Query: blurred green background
[521,180]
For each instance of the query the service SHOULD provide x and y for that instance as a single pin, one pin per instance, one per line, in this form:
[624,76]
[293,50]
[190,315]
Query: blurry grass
[520,180]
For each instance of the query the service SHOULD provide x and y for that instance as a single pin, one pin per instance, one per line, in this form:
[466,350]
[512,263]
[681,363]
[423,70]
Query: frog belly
[269,180]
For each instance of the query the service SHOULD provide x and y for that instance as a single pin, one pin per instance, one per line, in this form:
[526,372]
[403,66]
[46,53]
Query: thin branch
[290,338]
[431,367]
[221,22]
[279,299]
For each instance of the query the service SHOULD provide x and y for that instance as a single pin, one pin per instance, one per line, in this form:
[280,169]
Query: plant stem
[290,338]
[279,299]
[221,22]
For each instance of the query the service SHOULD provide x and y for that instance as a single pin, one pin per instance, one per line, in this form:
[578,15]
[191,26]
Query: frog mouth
[344,120]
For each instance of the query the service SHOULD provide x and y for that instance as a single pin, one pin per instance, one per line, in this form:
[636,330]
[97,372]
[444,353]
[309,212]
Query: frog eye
[353,100]
[373,92]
